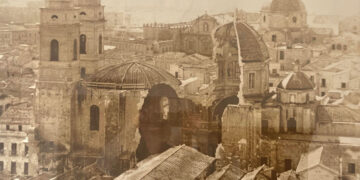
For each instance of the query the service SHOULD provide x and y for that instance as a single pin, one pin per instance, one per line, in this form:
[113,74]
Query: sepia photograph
[180,90]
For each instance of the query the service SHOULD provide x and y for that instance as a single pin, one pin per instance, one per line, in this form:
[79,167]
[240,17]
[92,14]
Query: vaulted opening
[54,50]
[160,125]
[94,118]
[218,112]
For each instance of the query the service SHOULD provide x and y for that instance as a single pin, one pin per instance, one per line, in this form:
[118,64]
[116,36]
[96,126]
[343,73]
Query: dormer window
[54,17]
[83,13]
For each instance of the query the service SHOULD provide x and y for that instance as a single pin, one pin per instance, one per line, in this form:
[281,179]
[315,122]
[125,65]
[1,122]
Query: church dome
[252,45]
[296,81]
[287,6]
[133,75]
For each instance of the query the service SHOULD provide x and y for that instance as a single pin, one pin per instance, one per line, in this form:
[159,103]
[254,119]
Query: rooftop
[337,114]
[309,160]
[296,81]
[21,113]
[181,162]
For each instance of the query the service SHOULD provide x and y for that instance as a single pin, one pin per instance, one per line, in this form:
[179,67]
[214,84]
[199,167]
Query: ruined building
[112,116]
[277,128]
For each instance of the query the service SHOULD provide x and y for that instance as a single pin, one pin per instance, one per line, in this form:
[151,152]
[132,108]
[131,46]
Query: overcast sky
[167,10]
[170,10]
[345,7]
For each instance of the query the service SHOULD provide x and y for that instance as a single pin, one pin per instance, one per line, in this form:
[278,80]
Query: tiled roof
[337,114]
[287,6]
[296,81]
[179,162]
[134,74]
[252,45]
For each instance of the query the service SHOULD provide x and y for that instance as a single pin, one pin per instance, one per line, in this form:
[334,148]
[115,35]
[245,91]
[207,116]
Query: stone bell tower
[59,71]
[92,20]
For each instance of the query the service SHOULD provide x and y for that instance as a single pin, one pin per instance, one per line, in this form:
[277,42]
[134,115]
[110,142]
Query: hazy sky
[177,10]
[344,7]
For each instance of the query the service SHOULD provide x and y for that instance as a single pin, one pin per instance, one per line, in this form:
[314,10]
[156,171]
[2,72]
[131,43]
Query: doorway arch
[159,125]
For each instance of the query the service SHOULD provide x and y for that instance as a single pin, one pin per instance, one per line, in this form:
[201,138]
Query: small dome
[134,75]
[296,81]
[252,46]
[287,6]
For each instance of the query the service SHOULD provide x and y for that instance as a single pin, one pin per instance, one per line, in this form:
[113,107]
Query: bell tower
[59,71]
[92,19]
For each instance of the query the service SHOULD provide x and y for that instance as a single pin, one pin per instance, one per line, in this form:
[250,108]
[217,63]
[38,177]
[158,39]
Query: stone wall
[241,134]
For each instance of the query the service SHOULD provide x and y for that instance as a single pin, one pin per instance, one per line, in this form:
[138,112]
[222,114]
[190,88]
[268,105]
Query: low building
[12,34]
[345,43]
[311,167]
[350,24]
[334,73]
[194,70]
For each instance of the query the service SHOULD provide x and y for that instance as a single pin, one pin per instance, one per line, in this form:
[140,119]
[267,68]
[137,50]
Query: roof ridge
[175,151]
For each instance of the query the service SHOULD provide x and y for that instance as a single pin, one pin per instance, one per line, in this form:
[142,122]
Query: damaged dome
[134,75]
[252,45]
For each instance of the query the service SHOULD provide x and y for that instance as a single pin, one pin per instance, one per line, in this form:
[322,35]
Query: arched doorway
[159,123]
[217,114]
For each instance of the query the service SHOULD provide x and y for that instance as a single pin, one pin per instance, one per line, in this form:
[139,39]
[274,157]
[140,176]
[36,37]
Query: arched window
[94,118]
[54,50]
[83,44]
[264,18]
[54,17]
[206,27]
[75,52]
[83,13]
[294,19]
[100,45]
